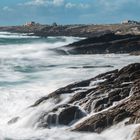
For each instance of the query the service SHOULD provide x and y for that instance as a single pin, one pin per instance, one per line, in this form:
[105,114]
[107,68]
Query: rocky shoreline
[107,43]
[79,30]
[96,104]
[109,98]
[100,39]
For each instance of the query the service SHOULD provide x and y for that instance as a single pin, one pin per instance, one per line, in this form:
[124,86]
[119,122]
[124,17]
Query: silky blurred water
[31,67]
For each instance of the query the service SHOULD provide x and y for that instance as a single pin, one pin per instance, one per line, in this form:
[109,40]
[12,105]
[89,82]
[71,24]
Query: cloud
[35,2]
[6,8]
[73,11]
[44,3]
[112,5]
[78,5]
[70,5]
[58,2]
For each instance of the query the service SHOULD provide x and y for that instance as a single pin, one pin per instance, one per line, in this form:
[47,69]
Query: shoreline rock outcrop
[101,39]
[107,43]
[93,105]
[102,101]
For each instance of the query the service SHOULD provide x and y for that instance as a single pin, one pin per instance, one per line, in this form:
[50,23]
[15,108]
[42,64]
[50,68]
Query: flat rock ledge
[106,43]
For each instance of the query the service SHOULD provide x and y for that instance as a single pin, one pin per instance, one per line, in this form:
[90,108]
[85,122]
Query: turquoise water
[32,67]
[17,38]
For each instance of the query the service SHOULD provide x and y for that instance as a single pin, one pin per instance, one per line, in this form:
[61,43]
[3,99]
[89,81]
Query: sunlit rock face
[137,134]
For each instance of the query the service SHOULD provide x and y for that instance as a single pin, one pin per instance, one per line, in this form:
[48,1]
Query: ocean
[32,67]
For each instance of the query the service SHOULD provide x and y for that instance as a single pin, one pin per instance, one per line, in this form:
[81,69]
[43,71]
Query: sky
[18,12]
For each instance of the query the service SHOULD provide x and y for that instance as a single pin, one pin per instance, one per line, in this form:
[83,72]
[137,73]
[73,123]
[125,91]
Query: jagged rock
[128,108]
[14,120]
[61,115]
[109,98]
[70,114]
[64,90]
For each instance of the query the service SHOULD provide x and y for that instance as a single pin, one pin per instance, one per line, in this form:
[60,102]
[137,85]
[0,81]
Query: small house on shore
[32,23]
[130,22]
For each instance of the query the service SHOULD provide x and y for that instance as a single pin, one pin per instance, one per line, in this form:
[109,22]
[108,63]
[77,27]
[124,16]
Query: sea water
[32,67]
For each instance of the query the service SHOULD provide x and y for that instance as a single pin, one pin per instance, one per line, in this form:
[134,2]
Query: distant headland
[100,39]
[79,30]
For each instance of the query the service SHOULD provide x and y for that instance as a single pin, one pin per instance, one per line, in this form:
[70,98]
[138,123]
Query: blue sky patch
[17,12]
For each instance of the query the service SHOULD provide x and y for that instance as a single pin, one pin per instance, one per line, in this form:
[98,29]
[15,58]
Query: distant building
[130,22]
[32,23]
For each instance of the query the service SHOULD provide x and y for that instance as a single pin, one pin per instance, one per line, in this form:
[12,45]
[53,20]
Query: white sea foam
[32,70]
[9,35]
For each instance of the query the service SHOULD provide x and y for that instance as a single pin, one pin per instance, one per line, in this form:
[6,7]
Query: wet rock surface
[101,39]
[96,104]
[14,120]
[109,98]
[106,43]
[60,115]
[137,134]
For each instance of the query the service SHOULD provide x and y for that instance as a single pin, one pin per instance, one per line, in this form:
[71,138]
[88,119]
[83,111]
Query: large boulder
[69,115]
[60,115]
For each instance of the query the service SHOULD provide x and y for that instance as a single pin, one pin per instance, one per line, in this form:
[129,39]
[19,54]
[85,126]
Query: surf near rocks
[96,104]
